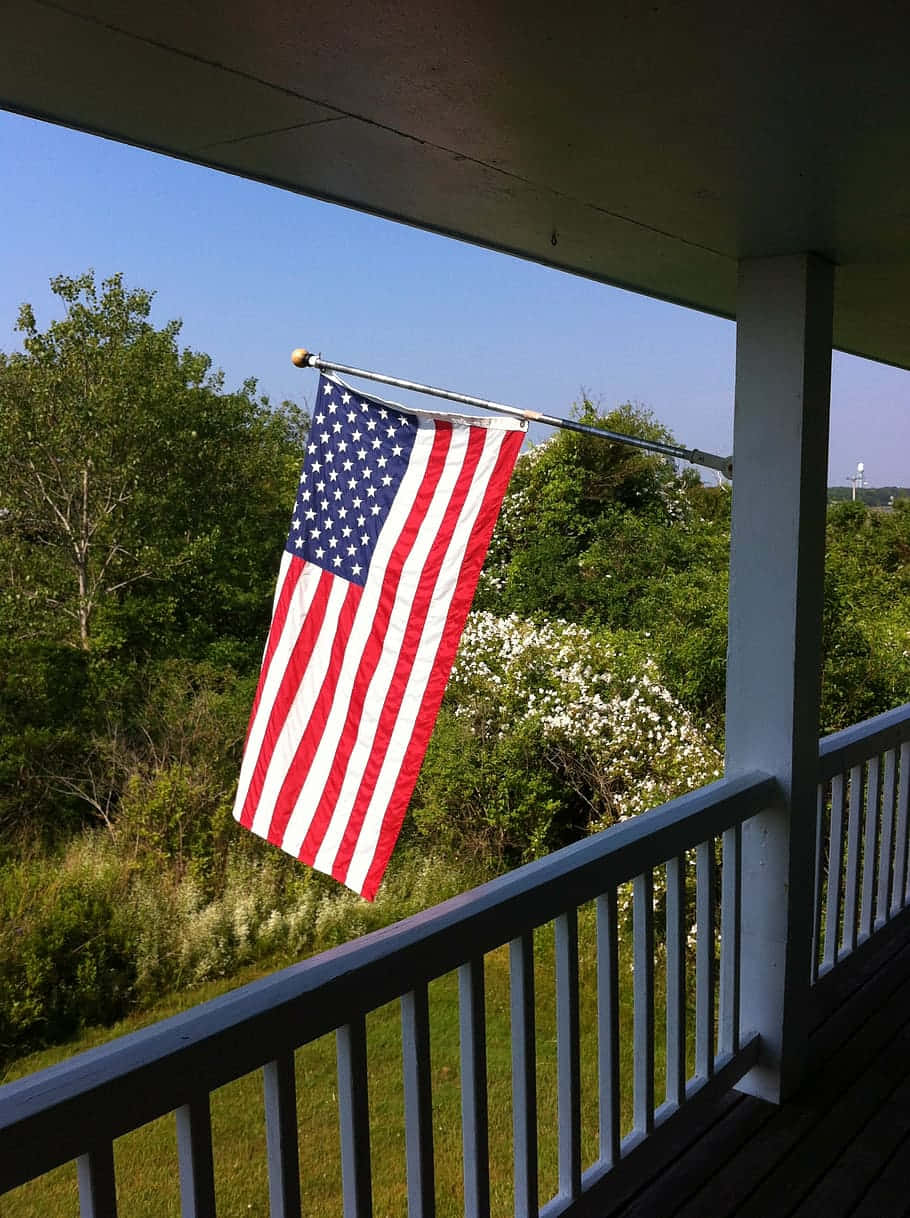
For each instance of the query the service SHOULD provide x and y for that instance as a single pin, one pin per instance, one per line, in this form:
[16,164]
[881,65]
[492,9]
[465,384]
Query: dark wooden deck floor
[840,1147]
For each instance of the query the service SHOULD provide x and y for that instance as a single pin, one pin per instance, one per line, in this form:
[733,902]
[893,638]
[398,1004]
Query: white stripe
[395,637]
[298,608]
[424,664]
[493,422]
[360,635]
[301,708]
[282,572]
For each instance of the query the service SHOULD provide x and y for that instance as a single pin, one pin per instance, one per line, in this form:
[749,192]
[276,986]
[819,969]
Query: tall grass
[88,936]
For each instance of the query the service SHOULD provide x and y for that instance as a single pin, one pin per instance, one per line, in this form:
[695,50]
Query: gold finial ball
[299,357]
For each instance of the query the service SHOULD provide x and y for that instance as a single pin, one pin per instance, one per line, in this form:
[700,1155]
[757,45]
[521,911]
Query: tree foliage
[141,512]
[128,464]
[607,535]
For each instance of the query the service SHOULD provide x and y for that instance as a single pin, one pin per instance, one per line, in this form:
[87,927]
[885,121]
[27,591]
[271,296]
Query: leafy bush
[87,936]
[551,729]
[66,947]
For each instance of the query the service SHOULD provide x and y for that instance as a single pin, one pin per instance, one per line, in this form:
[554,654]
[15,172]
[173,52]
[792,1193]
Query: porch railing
[667,881]
[862,862]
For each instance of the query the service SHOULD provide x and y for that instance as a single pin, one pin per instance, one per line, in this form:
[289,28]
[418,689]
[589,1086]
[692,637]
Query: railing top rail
[857,743]
[150,1072]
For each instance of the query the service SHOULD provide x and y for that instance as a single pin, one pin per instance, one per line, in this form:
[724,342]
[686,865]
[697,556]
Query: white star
[333,542]
[361,520]
[383,414]
[371,491]
[336,561]
[336,426]
[349,464]
[355,435]
[320,553]
[367,472]
[365,540]
[345,398]
[364,407]
[371,424]
[304,495]
[351,416]
[356,569]
[314,533]
[382,462]
[342,446]
[329,457]
[324,437]
[310,514]
[333,475]
[299,543]
[346,531]
[377,443]
[396,451]
[327,523]
[352,482]
[337,494]
[320,419]
[296,523]
[332,407]
[361,454]
[375,509]
[342,512]
[311,448]
[387,480]
[352,550]
[327,388]
[320,486]
[315,467]
[390,431]
[357,502]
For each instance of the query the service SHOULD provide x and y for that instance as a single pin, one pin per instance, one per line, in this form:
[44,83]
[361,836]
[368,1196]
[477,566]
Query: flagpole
[302,358]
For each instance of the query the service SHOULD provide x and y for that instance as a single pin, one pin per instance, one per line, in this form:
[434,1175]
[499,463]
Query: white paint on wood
[783,373]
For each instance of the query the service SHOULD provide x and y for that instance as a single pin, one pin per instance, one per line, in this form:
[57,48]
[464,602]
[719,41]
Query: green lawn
[146,1159]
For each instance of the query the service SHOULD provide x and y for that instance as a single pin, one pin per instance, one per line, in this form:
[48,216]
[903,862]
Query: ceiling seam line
[339,113]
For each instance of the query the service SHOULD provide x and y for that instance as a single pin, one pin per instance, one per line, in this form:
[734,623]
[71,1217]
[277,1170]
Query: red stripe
[287,691]
[315,725]
[425,717]
[291,576]
[374,648]
[420,610]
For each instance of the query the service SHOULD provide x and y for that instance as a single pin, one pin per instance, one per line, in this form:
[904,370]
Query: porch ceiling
[644,144]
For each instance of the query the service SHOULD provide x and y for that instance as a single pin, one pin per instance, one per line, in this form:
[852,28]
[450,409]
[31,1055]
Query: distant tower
[857,479]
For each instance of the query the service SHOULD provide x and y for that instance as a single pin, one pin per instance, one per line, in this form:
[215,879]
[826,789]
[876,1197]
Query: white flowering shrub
[551,729]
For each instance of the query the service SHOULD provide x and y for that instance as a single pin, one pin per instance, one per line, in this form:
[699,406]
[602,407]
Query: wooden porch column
[783,379]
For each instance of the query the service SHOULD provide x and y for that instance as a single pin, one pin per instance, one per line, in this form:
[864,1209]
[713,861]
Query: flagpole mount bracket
[302,358]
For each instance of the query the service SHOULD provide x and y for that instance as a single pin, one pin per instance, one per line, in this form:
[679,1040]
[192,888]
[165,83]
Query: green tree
[128,465]
[600,533]
[142,509]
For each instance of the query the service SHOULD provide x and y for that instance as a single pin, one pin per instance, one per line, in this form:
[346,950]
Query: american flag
[393,518]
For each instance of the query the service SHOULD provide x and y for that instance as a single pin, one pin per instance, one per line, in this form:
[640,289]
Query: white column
[783,377]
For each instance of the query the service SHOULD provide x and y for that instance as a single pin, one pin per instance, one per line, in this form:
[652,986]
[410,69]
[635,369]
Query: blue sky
[254,272]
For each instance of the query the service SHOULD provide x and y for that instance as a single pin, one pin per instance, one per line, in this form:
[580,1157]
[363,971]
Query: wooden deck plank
[834,1130]
[680,1139]
[889,1196]
[757,1160]
[856,1170]
[752,1179]
[674,1187]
